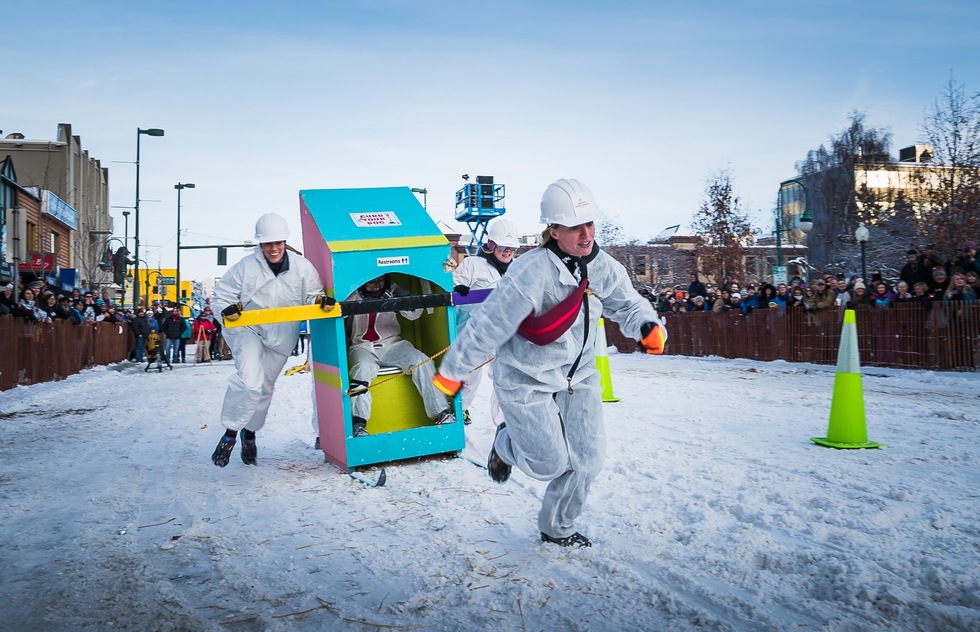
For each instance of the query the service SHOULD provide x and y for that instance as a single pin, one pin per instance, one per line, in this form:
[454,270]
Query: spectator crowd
[922,279]
[36,303]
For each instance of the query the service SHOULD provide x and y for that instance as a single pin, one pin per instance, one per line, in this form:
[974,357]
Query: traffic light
[222,256]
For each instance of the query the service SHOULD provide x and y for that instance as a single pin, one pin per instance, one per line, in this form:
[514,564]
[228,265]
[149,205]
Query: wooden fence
[937,336]
[43,352]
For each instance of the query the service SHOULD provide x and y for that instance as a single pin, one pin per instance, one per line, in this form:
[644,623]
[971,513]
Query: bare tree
[624,249]
[723,230]
[609,233]
[952,214]
[837,203]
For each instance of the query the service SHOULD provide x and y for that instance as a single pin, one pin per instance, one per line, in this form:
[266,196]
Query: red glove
[654,338]
[446,385]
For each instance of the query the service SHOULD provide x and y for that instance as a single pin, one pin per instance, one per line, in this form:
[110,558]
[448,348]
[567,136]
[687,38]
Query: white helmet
[569,203]
[504,233]
[271,227]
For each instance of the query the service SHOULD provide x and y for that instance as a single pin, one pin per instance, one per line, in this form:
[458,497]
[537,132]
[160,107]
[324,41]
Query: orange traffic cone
[602,363]
[847,424]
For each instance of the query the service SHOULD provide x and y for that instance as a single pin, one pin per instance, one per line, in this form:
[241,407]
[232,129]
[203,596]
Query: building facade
[76,180]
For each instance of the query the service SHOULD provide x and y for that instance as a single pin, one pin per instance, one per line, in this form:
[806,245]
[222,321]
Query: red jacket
[202,328]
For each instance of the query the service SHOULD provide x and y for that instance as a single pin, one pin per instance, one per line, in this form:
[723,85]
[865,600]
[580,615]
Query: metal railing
[935,336]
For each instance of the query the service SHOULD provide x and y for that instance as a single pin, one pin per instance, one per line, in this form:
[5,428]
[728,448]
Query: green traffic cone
[847,427]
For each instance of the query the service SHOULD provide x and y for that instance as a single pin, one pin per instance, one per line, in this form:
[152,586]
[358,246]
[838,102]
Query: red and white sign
[37,262]
[373,220]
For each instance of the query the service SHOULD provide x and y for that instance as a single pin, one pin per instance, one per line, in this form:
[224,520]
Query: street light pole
[424,193]
[153,131]
[862,234]
[126,258]
[805,222]
[148,273]
[180,187]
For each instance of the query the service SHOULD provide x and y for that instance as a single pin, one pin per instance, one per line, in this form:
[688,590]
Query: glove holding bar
[325,302]
[232,312]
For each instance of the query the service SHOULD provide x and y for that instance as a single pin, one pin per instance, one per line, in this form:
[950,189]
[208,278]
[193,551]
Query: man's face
[574,240]
[375,285]
[274,251]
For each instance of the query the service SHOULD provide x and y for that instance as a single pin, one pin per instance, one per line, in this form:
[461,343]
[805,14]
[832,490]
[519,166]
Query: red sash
[548,327]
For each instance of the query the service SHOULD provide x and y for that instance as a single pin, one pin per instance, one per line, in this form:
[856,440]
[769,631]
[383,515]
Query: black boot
[249,451]
[223,452]
[576,539]
[499,471]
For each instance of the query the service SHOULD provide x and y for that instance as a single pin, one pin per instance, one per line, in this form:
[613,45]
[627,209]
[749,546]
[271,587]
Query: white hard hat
[504,233]
[569,203]
[271,227]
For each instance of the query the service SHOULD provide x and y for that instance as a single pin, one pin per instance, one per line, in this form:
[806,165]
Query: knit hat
[970,245]
[912,251]
[939,271]
[859,285]
[736,295]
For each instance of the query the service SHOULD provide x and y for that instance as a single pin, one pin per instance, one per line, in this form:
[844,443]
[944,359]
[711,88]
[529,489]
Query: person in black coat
[696,288]
[173,328]
[7,300]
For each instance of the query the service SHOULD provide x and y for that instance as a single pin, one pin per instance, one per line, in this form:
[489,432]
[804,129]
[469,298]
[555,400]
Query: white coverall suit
[365,358]
[260,352]
[476,273]
[551,434]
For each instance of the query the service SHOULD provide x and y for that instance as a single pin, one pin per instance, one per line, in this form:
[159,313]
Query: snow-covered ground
[715,512]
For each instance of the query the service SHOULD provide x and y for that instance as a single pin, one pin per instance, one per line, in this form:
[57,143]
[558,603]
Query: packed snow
[715,511]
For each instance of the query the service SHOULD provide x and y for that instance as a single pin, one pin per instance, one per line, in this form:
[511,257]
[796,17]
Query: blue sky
[642,101]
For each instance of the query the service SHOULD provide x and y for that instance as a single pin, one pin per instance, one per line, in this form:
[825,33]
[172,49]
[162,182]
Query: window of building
[640,263]
[33,238]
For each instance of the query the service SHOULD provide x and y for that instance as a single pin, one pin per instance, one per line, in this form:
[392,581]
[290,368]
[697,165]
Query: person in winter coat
[480,272]
[152,321]
[28,309]
[824,296]
[860,295]
[539,324]
[269,277]
[696,288]
[958,289]
[173,328]
[767,296]
[141,329]
[50,306]
[184,337]
[202,330]
[967,260]
[375,339]
[881,295]
[75,312]
[7,300]
[913,271]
